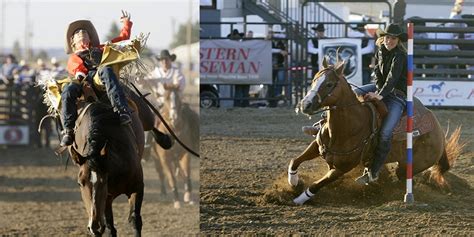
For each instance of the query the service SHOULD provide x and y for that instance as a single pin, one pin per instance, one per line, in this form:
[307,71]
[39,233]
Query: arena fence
[18,107]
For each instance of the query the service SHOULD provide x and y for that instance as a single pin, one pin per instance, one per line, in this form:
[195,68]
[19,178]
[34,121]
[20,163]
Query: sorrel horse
[108,155]
[184,122]
[346,137]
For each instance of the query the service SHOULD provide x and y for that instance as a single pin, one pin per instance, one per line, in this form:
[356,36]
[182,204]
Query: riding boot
[68,137]
[380,156]
[381,153]
[162,139]
[313,130]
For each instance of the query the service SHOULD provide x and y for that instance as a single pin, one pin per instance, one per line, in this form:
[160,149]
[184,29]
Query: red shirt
[75,65]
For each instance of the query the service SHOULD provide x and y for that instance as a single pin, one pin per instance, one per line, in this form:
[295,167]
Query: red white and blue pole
[409,198]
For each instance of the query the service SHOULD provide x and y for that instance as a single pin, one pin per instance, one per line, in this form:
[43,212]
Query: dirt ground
[38,197]
[245,153]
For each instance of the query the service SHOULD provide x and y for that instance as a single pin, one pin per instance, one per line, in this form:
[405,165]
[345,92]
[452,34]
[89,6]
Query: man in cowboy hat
[313,45]
[166,76]
[82,42]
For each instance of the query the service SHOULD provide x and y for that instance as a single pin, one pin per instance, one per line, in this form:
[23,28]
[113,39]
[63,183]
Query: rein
[363,143]
[164,122]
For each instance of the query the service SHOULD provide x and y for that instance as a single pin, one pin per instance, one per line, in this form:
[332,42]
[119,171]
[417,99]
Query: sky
[49,19]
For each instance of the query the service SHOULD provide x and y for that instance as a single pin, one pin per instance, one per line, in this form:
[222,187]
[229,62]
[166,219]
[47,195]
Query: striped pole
[409,199]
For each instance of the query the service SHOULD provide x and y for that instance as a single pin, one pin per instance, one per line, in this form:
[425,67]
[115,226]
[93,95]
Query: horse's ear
[340,67]
[325,62]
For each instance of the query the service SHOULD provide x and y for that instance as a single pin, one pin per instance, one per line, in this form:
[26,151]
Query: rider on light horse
[390,87]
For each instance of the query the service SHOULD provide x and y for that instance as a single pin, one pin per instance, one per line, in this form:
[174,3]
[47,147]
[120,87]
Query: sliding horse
[185,123]
[347,137]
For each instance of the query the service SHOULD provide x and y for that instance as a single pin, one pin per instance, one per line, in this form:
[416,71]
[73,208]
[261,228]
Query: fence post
[409,198]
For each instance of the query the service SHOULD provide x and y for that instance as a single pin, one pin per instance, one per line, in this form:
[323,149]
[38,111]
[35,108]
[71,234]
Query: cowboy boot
[313,130]
[68,137]
[162,139]
[372,174]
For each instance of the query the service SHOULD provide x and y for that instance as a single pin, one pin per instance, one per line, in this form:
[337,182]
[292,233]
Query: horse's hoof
[187,197]
[293,178]
[303,197]
[177,205]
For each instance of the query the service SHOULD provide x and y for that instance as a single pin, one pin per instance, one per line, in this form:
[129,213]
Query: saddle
[423,120]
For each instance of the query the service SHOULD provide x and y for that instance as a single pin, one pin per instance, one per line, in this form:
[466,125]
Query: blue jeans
[280,80]
[74,90]
[395,106]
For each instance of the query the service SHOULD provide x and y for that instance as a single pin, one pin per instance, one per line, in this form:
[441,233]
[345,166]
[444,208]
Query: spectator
[367,49]
[235,35]
[242,91]
[249,34]
[279,54]
[57,70]
[9,69]
[313,45]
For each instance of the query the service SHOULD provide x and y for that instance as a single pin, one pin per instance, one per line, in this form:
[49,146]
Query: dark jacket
[391,71]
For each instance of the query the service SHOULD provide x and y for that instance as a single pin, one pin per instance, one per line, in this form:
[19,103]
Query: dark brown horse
[184,123]
[346,137]
[108,155]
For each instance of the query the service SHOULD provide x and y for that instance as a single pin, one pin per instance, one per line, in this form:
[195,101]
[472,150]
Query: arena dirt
[245,153]
[38,197]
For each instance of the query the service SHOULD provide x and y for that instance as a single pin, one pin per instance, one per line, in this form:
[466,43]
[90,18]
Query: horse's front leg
[109,217]
[185,165]
[311,152]
[135,218]
[330,176]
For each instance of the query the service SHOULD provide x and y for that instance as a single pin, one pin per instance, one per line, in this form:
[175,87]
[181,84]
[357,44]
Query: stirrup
[366,177]
[310,130]
[125,119]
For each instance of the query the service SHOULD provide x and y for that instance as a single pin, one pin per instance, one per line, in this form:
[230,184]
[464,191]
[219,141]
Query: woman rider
[390,87]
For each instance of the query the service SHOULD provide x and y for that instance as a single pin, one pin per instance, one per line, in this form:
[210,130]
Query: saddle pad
[423,122]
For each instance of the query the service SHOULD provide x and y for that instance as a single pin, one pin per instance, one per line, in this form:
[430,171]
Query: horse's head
[173,105]
[92,177]
[325,88]
[93,184]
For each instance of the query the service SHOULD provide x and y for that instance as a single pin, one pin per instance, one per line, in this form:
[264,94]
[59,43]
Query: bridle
[318,75]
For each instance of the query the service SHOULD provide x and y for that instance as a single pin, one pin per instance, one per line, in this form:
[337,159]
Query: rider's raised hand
[125,16]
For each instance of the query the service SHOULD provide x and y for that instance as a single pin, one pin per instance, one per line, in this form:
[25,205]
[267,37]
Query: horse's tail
[452,150]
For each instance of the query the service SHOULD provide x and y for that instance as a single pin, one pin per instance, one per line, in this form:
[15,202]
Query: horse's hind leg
[185,165]
[311,152]
[134,218]
[330,176]
[109,217]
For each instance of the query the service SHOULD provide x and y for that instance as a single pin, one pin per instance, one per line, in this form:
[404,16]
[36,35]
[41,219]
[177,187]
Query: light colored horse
[185,124]
[346,137]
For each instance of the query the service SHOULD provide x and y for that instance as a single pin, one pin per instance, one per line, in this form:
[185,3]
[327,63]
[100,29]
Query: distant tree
[180,36]
[113,32]
[43,55]
[16,51]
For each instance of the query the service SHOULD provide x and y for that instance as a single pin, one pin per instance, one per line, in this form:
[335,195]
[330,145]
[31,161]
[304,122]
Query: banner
[235,62]
[14,135]
[349,51]
[445,93]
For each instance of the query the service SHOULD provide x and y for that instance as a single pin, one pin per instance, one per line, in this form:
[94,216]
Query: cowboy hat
[394,30]
[319,27]
[81,24]
[166,54]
